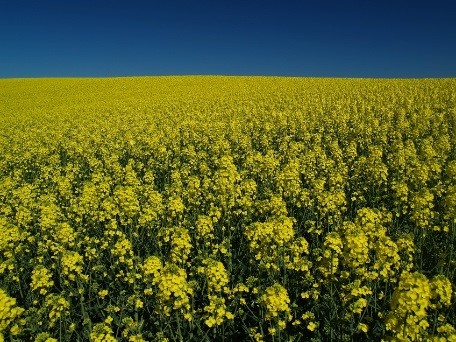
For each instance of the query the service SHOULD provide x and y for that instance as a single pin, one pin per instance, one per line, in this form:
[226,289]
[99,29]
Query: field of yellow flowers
[227,209]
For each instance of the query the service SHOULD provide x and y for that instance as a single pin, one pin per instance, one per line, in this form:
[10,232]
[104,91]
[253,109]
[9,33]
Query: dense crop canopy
[227,208]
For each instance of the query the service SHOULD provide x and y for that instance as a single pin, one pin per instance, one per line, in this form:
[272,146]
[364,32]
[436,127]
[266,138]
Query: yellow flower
[363,327]
[41,279]
[58,307]
[9,312]
[139,304]
[411,299]
[276,302]
[175,206]
[204,227]
[216,275]
[265,238]
[72,266]
[216,311]
[103,293]
[127,202]
[180,242]
[312,326]
[136,338]
[441,290]
[173,290]
[102,333]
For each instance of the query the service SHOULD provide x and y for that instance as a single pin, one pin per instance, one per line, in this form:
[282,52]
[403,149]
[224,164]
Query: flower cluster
[57,306]
[178,239]
[266,238]
[102,332]
[173,291]
[216,275]
[411,303]
[276,302]
[41,279]
[72,266]
[9,314]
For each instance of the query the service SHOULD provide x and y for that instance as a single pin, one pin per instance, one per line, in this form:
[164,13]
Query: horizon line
[223,75]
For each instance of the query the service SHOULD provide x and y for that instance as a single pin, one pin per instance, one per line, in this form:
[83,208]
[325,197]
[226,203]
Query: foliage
[227,208]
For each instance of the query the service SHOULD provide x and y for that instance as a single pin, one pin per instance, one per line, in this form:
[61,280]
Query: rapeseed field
[227,209]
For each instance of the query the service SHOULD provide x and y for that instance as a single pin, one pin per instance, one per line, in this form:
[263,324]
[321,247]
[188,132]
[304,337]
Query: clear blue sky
[235,37]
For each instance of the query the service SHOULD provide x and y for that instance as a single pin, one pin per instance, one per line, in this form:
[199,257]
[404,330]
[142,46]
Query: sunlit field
[227,209]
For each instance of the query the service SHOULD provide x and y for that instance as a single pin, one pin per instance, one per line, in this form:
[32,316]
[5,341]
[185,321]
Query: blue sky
[62,38]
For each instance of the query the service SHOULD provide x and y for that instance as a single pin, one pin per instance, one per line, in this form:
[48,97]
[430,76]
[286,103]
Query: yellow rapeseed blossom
[216,275]
[216,311]
[312,326]
[128,203]
[57,306]
[179,240]
[41,279]
[102,333]
[329,261]
[204,227]
[265,238]
[9,312]
[183,208]
[276,302]
[175,206]
[441,291]
[173,291]
[72,266]
[297,259]
[151,268]
[45,337]
[362,327]
[411,300]
[103,293]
